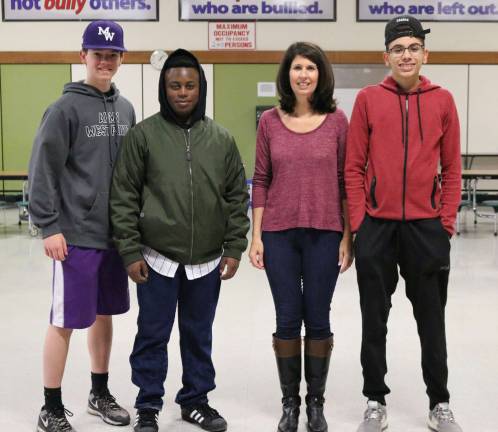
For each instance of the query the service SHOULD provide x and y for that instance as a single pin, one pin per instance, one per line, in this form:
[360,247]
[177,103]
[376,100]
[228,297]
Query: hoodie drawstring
[115,123]
[419,117]
[113,135]
[419,112]
[109,135]
[402,119]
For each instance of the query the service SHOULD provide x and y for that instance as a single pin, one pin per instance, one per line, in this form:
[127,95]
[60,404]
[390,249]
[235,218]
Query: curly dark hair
[322,100]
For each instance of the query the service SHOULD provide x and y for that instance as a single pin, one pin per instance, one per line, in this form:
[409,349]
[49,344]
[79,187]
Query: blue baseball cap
[103,35]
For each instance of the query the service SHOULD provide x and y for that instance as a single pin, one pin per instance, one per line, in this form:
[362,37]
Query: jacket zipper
[433,195]
[406,156]
[188,156]
[372,192]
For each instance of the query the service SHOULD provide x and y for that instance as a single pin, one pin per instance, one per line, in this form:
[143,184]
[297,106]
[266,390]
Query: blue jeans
[302,268]
[157,300]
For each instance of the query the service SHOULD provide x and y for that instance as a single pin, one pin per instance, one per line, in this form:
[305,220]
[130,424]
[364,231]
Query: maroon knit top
[299,177]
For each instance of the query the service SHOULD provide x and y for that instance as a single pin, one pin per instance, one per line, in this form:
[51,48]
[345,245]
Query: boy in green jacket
[179,214]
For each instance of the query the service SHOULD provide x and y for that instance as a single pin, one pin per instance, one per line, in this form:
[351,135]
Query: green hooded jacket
[179,189]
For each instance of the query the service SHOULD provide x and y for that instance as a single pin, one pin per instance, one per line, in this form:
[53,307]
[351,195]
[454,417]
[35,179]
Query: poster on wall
[257,10]
[80,10]
[232,35]
[428,10]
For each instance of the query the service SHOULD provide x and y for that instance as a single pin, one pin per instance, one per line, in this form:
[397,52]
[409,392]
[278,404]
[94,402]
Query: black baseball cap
[404,25]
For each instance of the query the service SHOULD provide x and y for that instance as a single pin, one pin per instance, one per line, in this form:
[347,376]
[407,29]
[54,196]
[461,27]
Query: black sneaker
[146,420]
[204,416]
[107,408]
[54,420]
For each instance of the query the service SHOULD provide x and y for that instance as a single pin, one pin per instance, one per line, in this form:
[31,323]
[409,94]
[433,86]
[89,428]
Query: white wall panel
[453,78]
[150,90]
[483,109]
[345,99]
[209,72]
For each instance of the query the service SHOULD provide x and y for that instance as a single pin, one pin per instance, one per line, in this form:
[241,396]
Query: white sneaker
[441,419]
[375,418]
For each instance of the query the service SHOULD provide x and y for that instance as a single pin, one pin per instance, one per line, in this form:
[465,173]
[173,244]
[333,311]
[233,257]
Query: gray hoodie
[72,161]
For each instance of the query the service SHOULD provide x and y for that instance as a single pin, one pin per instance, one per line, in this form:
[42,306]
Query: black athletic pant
[421,250]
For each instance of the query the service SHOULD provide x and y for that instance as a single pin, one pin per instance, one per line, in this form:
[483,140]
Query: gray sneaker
[106,407]
[54,420]
[375,418]
[441,419]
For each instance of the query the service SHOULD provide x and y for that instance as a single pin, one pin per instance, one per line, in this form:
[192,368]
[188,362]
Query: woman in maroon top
[301,234]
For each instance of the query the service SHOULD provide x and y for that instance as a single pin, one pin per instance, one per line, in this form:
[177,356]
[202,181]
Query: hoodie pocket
[433,194]
[373,185]
[96,221]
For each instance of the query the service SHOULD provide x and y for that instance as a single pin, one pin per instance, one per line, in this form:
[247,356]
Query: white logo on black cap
[107,33]
[403,20]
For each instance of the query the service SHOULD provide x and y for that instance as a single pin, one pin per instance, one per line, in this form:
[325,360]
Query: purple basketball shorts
[89,282]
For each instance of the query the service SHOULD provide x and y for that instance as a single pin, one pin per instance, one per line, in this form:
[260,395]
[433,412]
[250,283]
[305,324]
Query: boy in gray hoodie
[70,174]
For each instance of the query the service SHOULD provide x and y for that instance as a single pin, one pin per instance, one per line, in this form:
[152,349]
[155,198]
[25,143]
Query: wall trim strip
[252,57]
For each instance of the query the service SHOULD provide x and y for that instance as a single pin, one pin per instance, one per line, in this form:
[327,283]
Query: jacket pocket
[373,185]
[433,194]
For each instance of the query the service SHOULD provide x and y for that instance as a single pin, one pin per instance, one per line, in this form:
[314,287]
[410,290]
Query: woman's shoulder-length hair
[322,100]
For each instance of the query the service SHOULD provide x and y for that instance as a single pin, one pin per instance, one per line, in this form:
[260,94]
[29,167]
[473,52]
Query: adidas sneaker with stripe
[204,416]
[146,420]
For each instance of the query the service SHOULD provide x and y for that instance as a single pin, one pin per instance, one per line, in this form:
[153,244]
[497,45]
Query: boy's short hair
[181,61]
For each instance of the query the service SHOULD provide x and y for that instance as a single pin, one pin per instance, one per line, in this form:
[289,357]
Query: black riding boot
[316,367]
[288,355]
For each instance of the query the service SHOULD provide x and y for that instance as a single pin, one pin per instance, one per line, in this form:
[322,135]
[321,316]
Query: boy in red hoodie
[404,131]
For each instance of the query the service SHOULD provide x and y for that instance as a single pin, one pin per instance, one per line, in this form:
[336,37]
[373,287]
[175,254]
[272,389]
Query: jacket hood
[80,87]
[425,85]
[166,110]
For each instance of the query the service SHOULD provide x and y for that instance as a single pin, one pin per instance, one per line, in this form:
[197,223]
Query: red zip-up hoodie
[396,143]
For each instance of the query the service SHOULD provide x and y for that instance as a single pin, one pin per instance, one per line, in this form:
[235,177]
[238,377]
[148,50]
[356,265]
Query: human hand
[256,254]
[345,253]
[138,271]
[55,247]
[228,267]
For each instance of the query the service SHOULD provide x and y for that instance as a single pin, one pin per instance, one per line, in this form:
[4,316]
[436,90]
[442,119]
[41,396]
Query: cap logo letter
[107,34]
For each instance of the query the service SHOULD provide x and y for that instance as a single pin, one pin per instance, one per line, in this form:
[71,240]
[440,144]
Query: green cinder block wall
[235,101]
[1,135]
[26,91]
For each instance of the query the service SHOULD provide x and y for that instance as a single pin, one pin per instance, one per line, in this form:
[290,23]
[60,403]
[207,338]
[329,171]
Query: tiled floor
[247,393]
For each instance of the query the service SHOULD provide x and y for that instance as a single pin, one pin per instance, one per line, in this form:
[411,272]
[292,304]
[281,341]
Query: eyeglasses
[399,50]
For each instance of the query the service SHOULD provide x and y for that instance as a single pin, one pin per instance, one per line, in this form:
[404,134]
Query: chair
[23,211]
[23,204]
[249,191]
[493,204]
[465,204]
